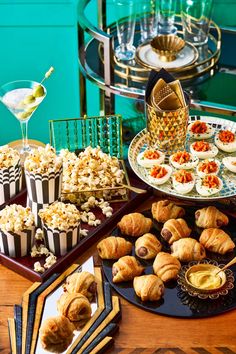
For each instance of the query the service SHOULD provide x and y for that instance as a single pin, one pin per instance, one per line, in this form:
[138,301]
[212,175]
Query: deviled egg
[150,157]
[210,184]
[225,140]
[208,167]
[203,149]
[200,130]
[183,160]
[230,163]
[183,181]
[159,174]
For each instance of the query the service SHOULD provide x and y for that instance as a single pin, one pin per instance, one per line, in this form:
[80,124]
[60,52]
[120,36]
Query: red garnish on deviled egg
[225,140]
[183,181]
[203,149]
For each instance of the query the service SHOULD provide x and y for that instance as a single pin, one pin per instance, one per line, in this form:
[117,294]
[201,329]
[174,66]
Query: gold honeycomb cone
[167,129]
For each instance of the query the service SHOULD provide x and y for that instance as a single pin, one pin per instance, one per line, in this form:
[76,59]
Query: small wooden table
[139,331]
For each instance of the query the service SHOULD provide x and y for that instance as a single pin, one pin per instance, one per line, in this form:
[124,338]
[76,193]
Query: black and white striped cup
[35,207]
[60,242]
[10,182]
[45,188]
[17,244]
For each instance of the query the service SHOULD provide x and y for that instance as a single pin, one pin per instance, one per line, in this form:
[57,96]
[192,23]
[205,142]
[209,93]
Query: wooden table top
[139,331]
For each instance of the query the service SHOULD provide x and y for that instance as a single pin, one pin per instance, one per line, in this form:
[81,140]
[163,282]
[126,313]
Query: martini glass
[22,98]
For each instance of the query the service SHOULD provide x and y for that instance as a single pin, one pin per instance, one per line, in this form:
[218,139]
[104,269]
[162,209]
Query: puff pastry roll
[125,269]
[188,249]
[147,246]
[175,229]
[113,247]
[75,307]
[165,210]
[83,283]
[210,217]
[135,224]
[166,266]
[149,287]
[56,334]
[216,240]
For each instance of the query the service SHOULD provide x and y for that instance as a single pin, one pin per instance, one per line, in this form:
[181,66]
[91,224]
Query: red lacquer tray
[25,265]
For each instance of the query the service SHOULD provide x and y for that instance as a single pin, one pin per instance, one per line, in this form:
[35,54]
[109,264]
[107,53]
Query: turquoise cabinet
[35,35]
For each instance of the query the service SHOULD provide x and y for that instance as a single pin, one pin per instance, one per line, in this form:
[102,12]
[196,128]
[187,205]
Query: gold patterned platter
[139,144]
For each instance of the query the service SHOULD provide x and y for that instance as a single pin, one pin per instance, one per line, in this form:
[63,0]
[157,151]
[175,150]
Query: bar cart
[213,69]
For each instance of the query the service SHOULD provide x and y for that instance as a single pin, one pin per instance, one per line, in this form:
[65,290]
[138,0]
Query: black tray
[175,302]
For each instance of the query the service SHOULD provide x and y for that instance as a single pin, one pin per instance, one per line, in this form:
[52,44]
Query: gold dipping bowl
[210,270]
[184,281]
[167,46]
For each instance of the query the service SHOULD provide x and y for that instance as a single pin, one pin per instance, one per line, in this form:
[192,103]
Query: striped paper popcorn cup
[60,242]
[17,244]
[35,207]
[44,188]
[10,182]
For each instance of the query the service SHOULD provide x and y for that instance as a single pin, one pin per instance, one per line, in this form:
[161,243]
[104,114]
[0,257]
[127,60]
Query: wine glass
[22,98]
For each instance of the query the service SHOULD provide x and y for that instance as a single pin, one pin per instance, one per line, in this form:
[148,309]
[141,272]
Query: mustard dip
[205,279]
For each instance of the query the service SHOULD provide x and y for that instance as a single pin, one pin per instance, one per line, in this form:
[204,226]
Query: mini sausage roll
[149,287]
[134,224]
[114,247]
[175,229]
[125,269]
[210,217]
[188,249]
[166,266]
[216,240]
[147,246]
[165,210]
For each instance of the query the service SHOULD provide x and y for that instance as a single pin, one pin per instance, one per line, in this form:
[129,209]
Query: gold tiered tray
[200,59]
[139,143]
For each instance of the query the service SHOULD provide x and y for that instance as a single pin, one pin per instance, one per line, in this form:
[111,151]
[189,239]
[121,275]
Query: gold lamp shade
[167,46]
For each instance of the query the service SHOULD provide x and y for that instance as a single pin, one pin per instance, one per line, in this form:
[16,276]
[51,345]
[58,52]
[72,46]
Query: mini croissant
[113,247]
[210,217]
[149,287]
[125,269]
[216,240]
[75,307]
[175,229]
[56,334]
[135,224]
[83,283]
[147,246]
[166,266]
[165,210]
[188,249]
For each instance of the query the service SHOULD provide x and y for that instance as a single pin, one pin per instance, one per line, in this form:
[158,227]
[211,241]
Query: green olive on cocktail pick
[23,115]
[38,91]
[29,99]
[31,109]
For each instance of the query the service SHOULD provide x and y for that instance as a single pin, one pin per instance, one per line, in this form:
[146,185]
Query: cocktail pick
[38,91]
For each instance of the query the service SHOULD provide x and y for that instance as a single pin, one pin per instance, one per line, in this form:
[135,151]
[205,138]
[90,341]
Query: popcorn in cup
[61,227]
[17,230]
[10,173]
[43,173]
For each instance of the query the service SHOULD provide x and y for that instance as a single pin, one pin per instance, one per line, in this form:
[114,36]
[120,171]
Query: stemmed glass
[22,98]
